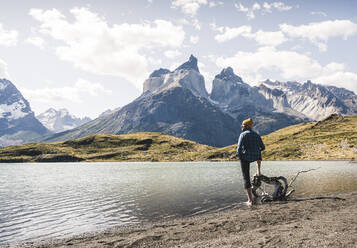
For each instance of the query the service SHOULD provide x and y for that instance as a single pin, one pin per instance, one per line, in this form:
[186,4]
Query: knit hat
[248,123]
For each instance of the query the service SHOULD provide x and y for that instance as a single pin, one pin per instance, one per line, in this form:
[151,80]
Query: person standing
[249,149]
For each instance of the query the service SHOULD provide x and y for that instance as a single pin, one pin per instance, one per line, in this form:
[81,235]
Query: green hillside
[334,138]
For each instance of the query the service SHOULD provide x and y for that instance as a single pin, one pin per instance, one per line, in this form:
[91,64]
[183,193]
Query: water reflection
[40,201]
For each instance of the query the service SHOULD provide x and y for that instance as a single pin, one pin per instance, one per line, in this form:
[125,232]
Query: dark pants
[245,165]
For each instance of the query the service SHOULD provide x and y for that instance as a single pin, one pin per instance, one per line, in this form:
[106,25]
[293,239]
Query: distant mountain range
[17,121]
[177,103]
[312,100]
[60,120]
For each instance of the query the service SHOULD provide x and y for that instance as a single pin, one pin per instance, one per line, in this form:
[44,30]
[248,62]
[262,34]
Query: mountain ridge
[270,105]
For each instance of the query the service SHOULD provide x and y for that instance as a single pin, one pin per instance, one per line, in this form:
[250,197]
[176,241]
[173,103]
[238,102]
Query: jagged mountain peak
[60,120]
[187,75]
[227,74]
[17,121]
[274,91]
[159,72]
[227,85]
[191,64]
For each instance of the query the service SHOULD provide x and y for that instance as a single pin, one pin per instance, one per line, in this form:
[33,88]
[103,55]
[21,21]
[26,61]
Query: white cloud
[94,46]
[215,3]
[75,94]
[342,79]
[290,65]
[207,75]
[268,7]
[193,22]
[154,61]
[210,57]
[8,37]
[196,24]
[183,21]
[319,33]
[36,41]
[194,39]
[256,6]
[267,38]
[321,13]
[174,66]
[3,70]
[241,8]
[216,28]
[261,37]
[249,12]
[231,33]
[189,7]
[171,54]
[265,8]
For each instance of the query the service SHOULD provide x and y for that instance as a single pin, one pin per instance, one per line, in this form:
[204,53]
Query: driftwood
[280,187]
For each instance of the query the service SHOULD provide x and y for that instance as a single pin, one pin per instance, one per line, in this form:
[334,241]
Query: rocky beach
[316,221]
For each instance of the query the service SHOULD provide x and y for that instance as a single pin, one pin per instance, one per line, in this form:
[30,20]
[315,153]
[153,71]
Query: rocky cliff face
[227,86]
[346,96]
[186,75]
[17,121]
[155,80]
[268,107]
[60,120]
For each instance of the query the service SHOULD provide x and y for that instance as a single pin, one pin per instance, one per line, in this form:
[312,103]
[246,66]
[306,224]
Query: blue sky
[89,56]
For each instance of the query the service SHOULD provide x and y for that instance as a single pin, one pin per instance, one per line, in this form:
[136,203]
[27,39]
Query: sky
[90,56]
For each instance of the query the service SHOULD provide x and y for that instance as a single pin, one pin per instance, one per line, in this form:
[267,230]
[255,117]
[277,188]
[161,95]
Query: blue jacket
[250,145]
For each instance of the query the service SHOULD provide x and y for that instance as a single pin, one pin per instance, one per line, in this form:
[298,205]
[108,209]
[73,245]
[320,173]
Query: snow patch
[13,111]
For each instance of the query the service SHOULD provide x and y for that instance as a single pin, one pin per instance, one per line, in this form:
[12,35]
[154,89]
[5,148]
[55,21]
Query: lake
[57,200]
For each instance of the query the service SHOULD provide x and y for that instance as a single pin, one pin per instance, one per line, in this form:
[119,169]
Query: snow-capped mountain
[177,103]
[17,121]
[60,120]
[312,100]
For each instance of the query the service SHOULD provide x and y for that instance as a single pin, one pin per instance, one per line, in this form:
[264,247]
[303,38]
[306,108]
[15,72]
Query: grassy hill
[330,139]
[334,138]
[103,147]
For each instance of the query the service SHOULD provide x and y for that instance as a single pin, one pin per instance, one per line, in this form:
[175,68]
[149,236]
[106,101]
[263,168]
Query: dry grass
[103,147]
[334,138]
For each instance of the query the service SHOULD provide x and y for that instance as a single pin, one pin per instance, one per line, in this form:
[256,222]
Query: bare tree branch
[299,174]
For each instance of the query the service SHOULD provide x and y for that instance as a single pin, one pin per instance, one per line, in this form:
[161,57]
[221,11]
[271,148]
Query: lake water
[55,200]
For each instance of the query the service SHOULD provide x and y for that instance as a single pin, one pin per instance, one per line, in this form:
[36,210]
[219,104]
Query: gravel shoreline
[328,221]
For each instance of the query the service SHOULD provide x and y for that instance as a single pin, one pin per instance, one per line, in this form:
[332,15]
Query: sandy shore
[328,222]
